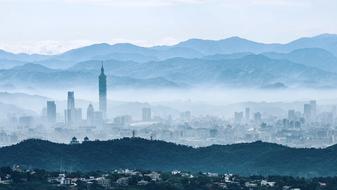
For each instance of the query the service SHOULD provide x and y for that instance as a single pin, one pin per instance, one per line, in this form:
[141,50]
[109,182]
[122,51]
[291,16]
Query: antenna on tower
[102,67]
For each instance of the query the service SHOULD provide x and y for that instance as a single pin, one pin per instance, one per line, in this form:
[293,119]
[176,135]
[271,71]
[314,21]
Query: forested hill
[135,153]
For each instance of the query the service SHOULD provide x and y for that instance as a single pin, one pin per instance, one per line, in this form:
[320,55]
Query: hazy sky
[51,26]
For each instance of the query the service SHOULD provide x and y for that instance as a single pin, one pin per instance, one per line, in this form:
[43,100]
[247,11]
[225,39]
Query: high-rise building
[71,100]
[307,112]
[258,117]
[70,112]
[146,113]
[90,115]
[313,106]
[291,115]
[102,92]
[247,114]
[51,111]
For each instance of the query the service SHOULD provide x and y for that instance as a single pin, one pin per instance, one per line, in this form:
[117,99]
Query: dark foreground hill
[135,153]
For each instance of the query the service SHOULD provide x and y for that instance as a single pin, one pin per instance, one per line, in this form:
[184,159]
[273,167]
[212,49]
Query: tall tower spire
[102,68]
[102,92]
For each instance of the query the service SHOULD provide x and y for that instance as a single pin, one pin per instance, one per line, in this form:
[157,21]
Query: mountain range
[257,158]
[234,62]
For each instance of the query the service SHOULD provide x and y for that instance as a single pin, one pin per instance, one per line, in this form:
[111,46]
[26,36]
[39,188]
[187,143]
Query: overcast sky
[52,26]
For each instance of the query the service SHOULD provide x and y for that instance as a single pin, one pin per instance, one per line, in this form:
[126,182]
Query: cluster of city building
[308,128]
[73,115]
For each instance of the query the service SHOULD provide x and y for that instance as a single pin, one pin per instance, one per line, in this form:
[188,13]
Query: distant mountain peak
[198,40]
[235,38]
[101,44]
[193,41]
[326,35]
[31,67]
[312,50]
[256,57]
[126,45]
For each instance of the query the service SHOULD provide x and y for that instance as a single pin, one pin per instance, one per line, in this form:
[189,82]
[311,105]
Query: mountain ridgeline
[232,62]
[257,158]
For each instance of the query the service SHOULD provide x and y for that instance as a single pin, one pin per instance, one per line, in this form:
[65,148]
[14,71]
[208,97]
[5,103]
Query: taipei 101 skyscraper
[102,92]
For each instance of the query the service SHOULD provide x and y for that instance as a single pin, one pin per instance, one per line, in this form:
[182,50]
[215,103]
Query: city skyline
[168,94]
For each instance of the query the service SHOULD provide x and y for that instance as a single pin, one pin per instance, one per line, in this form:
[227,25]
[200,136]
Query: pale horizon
[32,27]
[51,47]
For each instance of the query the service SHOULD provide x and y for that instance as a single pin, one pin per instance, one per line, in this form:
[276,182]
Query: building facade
[51,111]
[70,112]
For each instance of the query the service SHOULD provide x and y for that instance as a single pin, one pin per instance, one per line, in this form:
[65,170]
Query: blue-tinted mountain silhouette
[234,62]
[256,158]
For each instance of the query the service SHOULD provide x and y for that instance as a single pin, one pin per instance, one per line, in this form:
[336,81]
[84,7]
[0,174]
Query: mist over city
[202,98]
[168,94]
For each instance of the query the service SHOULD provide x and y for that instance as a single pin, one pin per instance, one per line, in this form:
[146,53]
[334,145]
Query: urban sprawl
[309,127]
